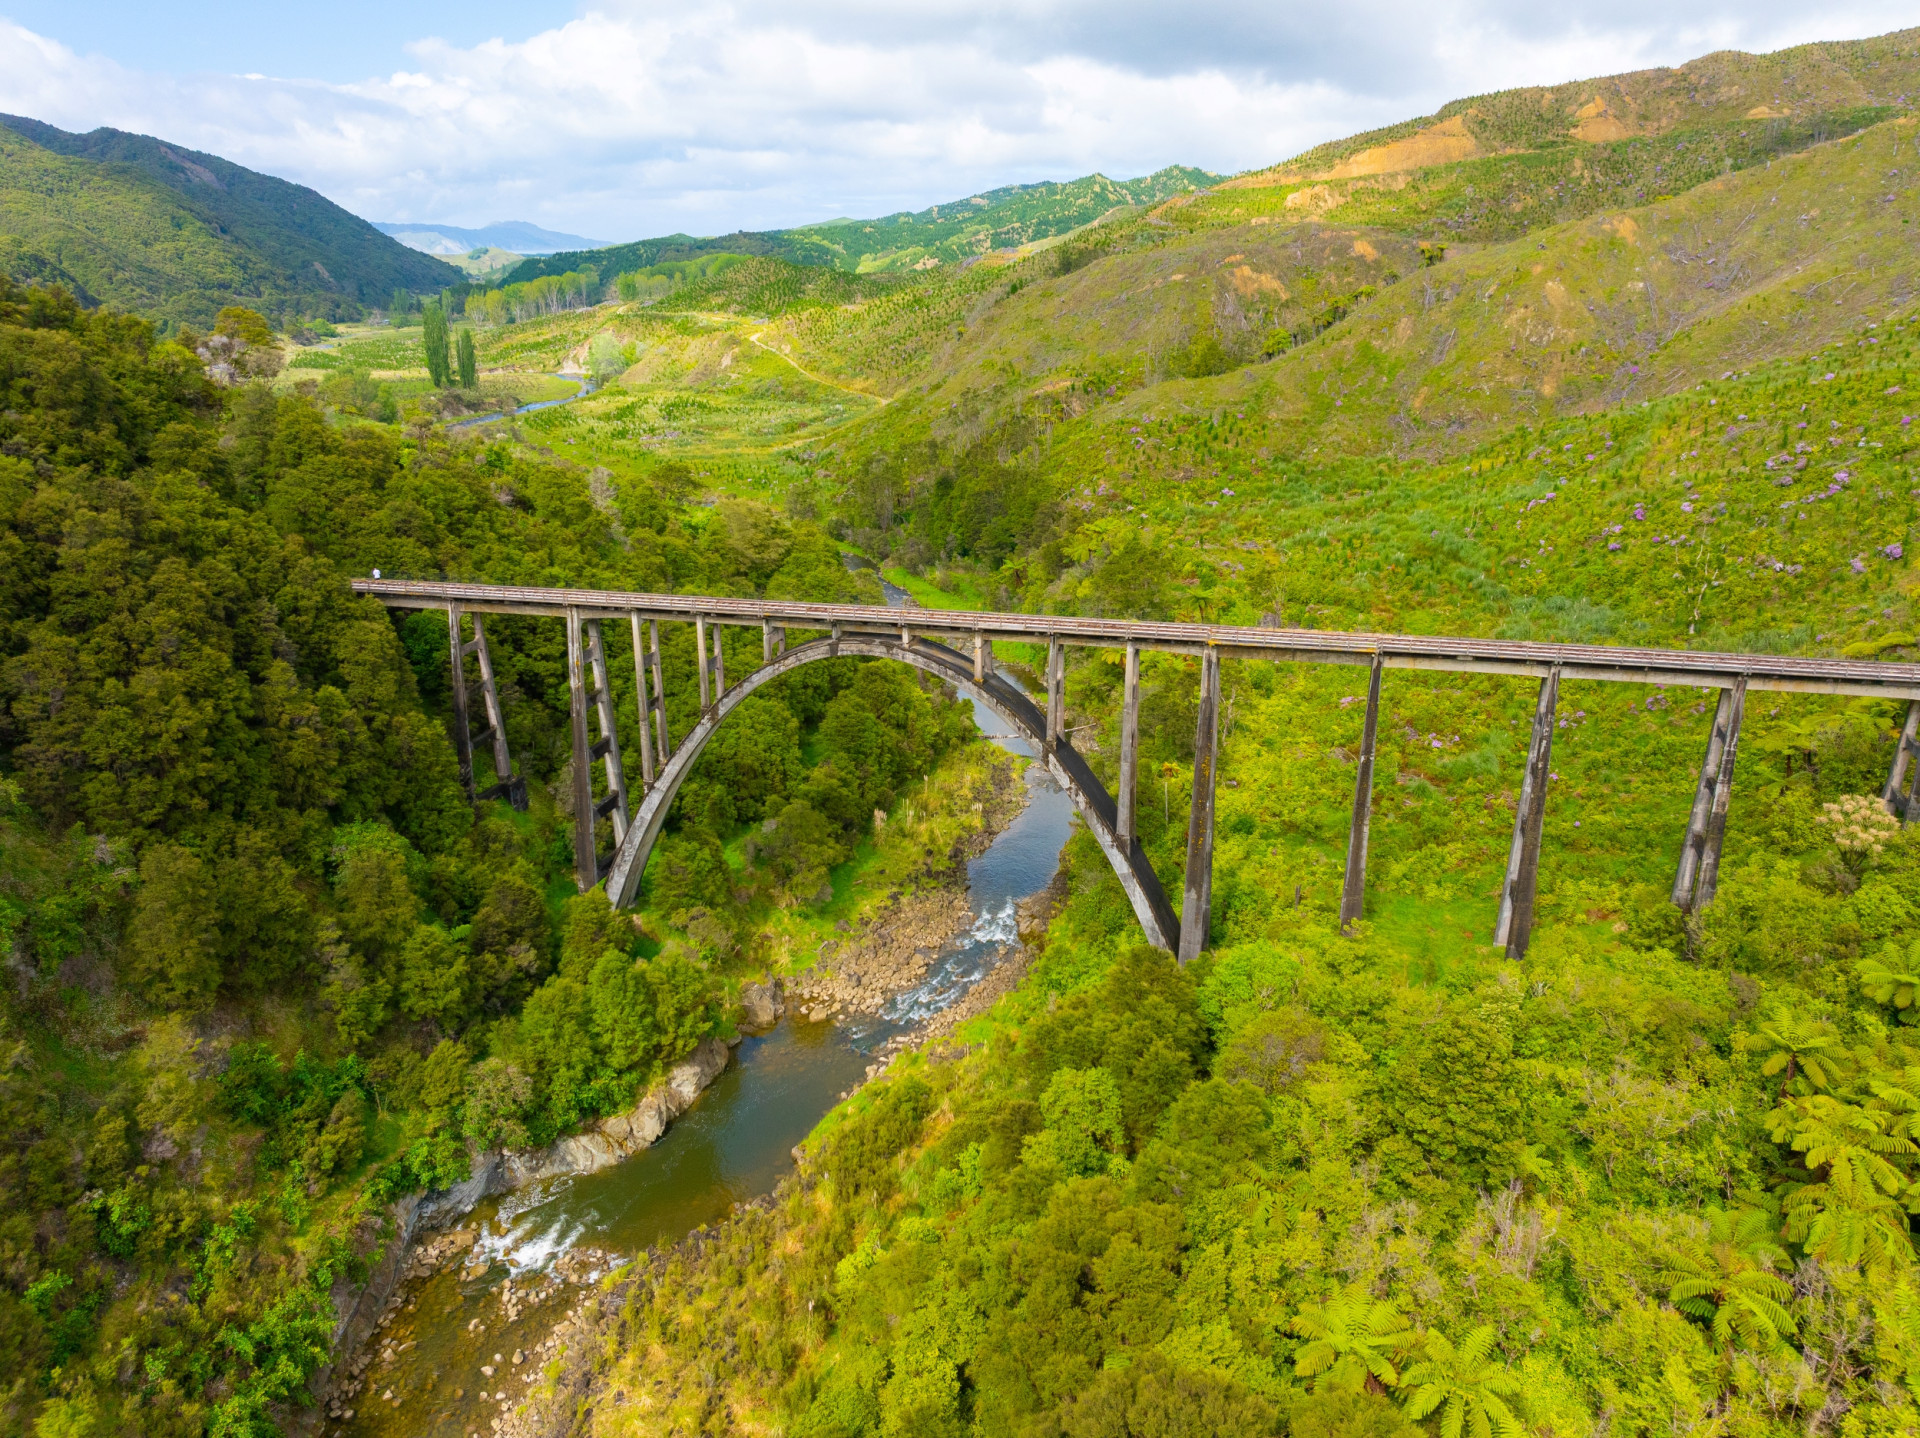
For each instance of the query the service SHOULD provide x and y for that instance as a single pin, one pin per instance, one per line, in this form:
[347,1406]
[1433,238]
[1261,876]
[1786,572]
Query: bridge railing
[961,634]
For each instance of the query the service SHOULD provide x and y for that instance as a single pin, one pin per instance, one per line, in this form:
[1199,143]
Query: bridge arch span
[1067,767]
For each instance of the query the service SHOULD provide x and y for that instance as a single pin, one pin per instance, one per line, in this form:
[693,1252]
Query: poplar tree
[436,342]
[469,365]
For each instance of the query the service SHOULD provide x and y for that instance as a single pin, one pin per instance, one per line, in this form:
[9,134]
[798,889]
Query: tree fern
[1806,1050]
[1729,1282]
[1348,1339]
[1466,1385]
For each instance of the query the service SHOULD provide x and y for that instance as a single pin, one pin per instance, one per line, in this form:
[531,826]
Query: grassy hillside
[130,221]
[1354,338]
[1725,87]
[1001,219]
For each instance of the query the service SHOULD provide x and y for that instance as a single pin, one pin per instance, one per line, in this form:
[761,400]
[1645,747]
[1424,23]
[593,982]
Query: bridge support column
[608,744]
[982,658]
[506,785]
[462,732]
[591,703]
[719,664]
[1127,826]
[1699,871]
[1898,804]
[700,659]
[586,860]
[1354,892]
[1196,910]
[1056,690]
[644,703]
[1514,929]
[659,693]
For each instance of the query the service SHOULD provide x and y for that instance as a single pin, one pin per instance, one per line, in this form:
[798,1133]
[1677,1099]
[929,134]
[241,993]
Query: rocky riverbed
[559,1401]
[1009,968]
[440,1341]
[890,951]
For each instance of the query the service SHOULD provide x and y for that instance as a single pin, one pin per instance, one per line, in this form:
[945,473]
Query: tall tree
[436,342]
[469,364]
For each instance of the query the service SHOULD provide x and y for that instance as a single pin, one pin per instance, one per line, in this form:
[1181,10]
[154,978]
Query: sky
[625,120]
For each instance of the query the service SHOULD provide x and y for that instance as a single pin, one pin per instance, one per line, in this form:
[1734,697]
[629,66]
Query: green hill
[1728,86]
[130,221]
[1005,218]
[1343,337]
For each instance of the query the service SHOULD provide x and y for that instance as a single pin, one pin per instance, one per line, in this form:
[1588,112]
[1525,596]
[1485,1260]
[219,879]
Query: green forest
[271,969]
[1650,382]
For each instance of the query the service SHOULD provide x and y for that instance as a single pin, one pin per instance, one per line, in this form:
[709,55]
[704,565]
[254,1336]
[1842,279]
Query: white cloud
[635,120]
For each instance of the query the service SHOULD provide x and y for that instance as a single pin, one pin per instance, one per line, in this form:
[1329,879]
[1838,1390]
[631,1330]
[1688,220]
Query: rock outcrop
[762,1005]
[624,1134]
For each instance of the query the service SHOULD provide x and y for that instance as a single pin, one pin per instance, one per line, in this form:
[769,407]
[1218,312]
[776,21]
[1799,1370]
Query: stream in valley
[532,1248]
[586,388]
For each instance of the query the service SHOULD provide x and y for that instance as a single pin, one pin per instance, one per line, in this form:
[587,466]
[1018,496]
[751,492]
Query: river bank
[890,952]
[365,1311]
[452,1330]
[582,1372]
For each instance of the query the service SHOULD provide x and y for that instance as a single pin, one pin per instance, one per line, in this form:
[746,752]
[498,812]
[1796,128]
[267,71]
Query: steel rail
[1610,663]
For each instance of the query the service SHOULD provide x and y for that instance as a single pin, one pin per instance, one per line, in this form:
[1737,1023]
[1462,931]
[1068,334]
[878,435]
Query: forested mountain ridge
[514,236]
[130,221]
[1005,218]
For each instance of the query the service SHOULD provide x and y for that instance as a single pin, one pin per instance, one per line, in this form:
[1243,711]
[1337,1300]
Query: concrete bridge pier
[1196,908]
[644,703]
[1901,805]
[1353,892]
[590,691]
[1126,826]
[1514,928]
[1699,870]
[507,785]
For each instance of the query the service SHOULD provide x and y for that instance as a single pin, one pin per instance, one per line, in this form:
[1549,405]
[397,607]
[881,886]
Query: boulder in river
[761,1005]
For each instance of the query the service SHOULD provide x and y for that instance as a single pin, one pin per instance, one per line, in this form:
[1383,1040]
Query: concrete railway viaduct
[957,648]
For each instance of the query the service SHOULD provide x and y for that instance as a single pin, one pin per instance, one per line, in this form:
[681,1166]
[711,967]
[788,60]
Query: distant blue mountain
[516,235]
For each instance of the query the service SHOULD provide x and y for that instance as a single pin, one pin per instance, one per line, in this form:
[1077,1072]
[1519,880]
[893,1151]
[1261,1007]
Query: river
[586,388]
[733,1145]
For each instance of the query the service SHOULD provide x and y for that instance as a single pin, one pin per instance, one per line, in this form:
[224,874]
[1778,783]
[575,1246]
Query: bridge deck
[1397,651]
